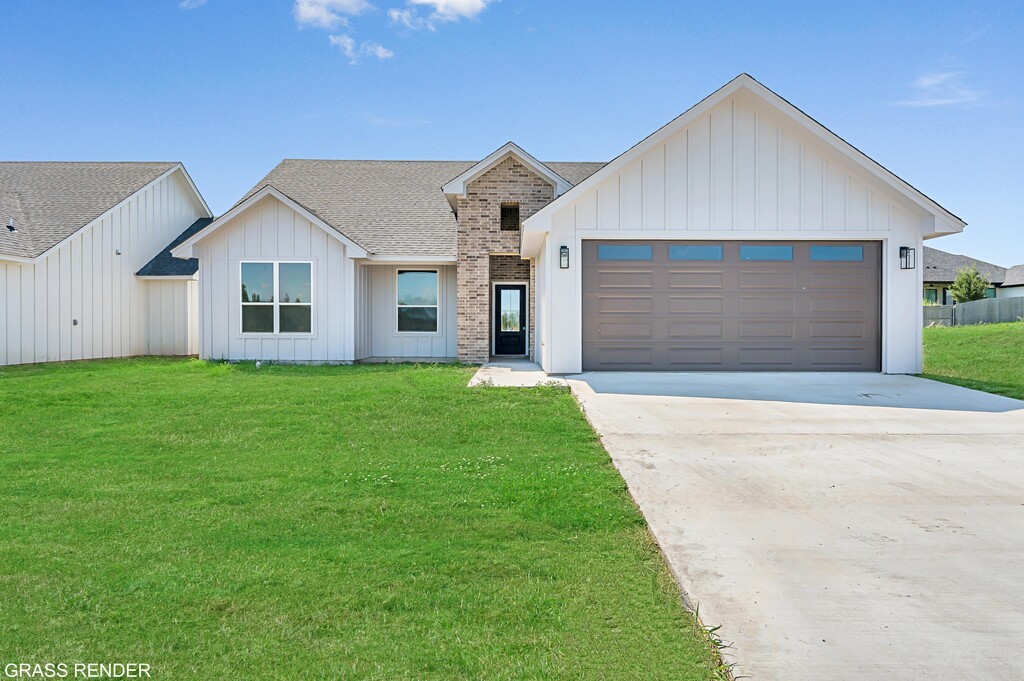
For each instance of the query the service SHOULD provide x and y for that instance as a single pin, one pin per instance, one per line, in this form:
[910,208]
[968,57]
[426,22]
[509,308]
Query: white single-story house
[941,269]
[742,236]
[72,240]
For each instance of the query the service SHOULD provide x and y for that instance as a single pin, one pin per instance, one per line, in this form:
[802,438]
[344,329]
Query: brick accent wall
[481,237]
[509,268]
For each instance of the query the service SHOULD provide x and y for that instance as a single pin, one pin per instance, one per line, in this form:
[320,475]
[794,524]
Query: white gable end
[742,160]
[742,166]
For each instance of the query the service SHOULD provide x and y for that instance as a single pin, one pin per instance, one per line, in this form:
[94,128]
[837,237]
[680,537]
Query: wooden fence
[988,311]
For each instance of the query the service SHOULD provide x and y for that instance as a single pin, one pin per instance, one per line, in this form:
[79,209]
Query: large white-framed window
[276,297]
[417,299]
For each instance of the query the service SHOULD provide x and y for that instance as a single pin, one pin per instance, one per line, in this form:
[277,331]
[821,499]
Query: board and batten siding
[172,309]
[741,170]
[385,342]
[270,230]
[84,279]
[743,167]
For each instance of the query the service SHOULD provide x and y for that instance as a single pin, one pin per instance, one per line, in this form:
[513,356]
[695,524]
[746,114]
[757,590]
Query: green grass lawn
[219,521]
[987,357]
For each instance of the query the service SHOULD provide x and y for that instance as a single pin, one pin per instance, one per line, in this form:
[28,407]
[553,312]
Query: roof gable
[457,186]
[49,202]
[934,220]
[185,248]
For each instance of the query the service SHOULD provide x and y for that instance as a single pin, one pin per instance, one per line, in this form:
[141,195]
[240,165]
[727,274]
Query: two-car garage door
[731,306]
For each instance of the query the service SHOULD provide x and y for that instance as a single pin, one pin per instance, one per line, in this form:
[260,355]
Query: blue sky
[933,91]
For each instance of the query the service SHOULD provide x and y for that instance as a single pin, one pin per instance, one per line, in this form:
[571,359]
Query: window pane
[417,288]
[417,319]
[510,308]
[990,292]
[837,253]
[296,319]
[294,282]
[624,252]
[509,217]
[766,252]
[931,295]
[695,252]
[257,282]
[257,319]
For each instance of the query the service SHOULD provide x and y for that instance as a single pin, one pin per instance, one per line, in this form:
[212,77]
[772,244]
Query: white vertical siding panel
[857,204]
[722,166]
[193,317]
[699,174]
[76,296]
[64,305]
[744,151]
[117,329]
[835,199]
[586,211]
[653,189]
[878,211]
[10,299]
[98,293]
[813,190]
[676,182]
[608,204]
[631,200]
[767,168]
[42,314]
[88,298]
[28,313]
[334,290]
[790,182]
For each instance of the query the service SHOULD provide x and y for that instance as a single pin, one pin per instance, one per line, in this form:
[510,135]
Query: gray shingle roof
[387,207]
[166,265]
[49,202]
[940,267]
[1014,276]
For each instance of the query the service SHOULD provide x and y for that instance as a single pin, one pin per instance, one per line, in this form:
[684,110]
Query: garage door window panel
[766,253]
[695,252]
[625,252]
[837,253]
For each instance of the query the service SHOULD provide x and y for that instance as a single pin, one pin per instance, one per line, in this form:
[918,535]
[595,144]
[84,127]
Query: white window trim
[398,306]
[494,310]
[277,303]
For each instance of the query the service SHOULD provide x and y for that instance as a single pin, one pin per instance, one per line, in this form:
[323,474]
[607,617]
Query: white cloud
[328,13]
[191,4]
[943,88]
[440,11]
[353,50]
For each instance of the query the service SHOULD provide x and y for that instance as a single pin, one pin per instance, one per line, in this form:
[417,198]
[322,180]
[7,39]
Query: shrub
[969,285]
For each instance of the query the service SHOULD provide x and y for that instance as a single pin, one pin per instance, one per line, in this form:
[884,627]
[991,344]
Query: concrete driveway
[837,526]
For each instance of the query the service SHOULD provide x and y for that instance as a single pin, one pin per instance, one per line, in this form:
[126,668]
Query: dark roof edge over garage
[166,265]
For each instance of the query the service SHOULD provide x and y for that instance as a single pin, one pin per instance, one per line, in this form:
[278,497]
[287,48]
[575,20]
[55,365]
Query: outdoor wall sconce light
[563,257]
[908,258]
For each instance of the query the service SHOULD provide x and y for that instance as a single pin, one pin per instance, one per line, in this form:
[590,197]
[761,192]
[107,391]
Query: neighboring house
[72,237]
[941,268]
[1013,283]
[743,235]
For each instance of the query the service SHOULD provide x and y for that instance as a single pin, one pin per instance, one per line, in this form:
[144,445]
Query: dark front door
[510,319]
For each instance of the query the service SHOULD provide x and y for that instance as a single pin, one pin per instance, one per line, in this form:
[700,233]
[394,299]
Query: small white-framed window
[276,297]
[417,301]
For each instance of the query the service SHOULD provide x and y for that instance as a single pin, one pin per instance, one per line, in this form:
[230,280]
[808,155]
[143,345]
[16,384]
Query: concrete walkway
[837,526]
[515,373]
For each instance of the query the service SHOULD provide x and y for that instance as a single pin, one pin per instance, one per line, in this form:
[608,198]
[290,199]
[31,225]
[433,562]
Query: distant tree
[969,285]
